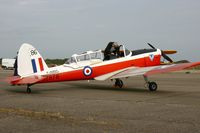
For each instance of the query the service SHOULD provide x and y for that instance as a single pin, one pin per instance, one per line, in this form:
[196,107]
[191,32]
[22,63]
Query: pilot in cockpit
[111,51]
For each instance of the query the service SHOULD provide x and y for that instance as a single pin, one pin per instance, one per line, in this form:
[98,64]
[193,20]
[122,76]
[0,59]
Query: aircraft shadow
[23,91]
[40,89]
[111,88]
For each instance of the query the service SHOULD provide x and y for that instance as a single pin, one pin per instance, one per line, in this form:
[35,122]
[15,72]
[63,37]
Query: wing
[134,71]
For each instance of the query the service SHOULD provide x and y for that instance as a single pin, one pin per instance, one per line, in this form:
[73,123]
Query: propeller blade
[169,51]
[151,46]
[166,57]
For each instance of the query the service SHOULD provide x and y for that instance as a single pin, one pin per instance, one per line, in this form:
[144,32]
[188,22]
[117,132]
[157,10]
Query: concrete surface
[97,107]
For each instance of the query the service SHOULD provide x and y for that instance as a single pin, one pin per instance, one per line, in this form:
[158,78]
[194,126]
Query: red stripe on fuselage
[141,62]
[101,70]
[41,64]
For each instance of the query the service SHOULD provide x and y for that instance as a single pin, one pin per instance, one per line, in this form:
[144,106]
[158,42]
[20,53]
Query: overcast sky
[59,28]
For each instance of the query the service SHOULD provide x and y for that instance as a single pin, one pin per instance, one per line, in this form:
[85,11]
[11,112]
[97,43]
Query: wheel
[152,86]
[28,90]
[119,83]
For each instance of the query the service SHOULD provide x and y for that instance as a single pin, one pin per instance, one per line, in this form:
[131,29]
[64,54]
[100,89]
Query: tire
[28,90]
[119,83]
[152,86]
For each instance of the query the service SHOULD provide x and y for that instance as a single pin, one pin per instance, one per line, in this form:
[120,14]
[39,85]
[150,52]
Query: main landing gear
[118,83]
[28,90]
[151,85]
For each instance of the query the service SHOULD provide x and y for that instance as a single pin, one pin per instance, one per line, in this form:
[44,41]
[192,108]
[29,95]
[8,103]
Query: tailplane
[29,61]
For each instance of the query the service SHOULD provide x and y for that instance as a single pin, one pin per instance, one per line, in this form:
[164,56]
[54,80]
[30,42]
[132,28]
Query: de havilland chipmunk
[115,62]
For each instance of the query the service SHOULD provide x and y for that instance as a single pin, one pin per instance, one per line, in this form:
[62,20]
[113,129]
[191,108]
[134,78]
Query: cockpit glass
[83,57]
[96,55]
[90,55]
[127,51]
[123,51]
[70,60]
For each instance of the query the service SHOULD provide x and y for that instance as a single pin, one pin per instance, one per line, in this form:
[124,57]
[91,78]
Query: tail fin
[29,61]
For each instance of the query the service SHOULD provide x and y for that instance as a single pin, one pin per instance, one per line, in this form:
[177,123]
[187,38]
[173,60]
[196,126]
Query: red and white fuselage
[86,66]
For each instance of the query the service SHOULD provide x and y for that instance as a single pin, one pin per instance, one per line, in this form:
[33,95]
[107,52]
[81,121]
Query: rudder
[29,61]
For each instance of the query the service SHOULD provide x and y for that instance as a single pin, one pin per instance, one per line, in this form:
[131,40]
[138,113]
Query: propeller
[151,46]
[162,53]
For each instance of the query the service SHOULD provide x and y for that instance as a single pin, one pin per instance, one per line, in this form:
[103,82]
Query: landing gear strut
[151,85]
[119,83]
[28,90]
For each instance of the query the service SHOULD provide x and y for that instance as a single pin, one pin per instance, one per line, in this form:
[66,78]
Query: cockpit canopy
[86,56]
[93,57]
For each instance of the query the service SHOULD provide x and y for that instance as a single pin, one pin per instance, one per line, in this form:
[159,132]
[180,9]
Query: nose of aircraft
[164,55]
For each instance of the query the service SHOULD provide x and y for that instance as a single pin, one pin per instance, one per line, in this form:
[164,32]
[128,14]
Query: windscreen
[70,60]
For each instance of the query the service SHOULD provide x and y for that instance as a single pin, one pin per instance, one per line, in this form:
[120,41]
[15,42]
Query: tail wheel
[119,83]
[152,86]
[28,90]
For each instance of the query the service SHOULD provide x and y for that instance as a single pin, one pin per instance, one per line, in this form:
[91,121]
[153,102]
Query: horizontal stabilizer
[26,80]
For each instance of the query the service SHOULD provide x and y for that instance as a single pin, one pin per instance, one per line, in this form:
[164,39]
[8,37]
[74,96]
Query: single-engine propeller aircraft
[94,65]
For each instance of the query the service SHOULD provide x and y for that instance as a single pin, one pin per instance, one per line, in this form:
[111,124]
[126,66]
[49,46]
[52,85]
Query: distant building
[8,63]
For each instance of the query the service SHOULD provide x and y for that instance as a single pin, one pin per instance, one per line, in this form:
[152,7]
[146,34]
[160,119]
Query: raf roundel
[87,71]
